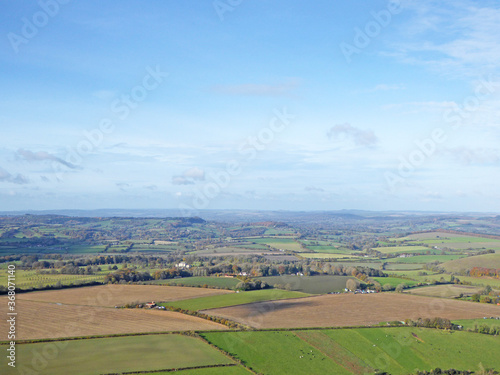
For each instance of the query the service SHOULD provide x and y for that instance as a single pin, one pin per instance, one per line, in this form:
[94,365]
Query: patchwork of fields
[398,351]
[351,310]
[112,295]
[43,320]
[120,354]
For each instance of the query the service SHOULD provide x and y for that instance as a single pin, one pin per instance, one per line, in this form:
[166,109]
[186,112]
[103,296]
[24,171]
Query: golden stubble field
[90,311]
[350,310]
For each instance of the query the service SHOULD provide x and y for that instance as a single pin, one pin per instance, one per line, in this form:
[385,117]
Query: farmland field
[280,243]
[310,284]
[119,354]
[445,291]
[118,295]
[394,281]
[486,261]
[351,310]
[218,282]
[404,249]
[425,259]
[471,323]
[398,351]
[51,320]
[33,279]
[227,370]
[328,256]
[233,299]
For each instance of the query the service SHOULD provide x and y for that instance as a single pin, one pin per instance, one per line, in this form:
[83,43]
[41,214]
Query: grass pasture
[349,309]
[472,323]
[445,291]
[398,351]
[310,284]
[423,259]
[210,282]
[280,243]
[119,354]
[234,299]
[394,281]
[486,261]
[404,249]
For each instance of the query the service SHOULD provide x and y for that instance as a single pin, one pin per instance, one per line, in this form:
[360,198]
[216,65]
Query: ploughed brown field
[41,320]
[118,295]
[350,310]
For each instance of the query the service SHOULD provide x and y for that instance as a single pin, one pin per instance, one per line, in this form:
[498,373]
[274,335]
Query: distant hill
[486,261]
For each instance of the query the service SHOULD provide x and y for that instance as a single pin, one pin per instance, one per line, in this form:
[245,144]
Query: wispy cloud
[18,179]
[43,156]
[189,177]
[360,137]
[455,37]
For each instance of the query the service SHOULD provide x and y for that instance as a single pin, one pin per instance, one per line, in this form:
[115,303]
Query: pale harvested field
[39,320]
[351,310]
[445,291]
[118,295]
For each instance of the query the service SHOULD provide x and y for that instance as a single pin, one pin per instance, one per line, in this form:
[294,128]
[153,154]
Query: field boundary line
[238,361]
[172,369]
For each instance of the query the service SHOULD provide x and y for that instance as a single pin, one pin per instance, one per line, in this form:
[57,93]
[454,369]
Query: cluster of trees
[481,271]
[249,284]
[486,329]
[126,275]
[439,323]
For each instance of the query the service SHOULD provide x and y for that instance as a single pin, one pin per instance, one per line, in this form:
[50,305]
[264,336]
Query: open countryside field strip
[442,236]
[219,282]
[41,320]
[445,291]
[425,259]
[471,323]
[351,310]
[398,351]
[280,243]
[32,279]
[486,261]
[394,281]
[119,354]
[329,256]
[402,249]
[233,299]
[112,295]
[310,284]
[228,370]
[494,283]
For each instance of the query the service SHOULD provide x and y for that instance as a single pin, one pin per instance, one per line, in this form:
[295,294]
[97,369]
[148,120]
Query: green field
[232,299]
[26,279]
[404,249]
[120,354]
[398,351]
[210,282]
[310,284]
[394,281]
[426,259]
[229,370]
[486,261]
[279,243]
[471,323]
[329,256]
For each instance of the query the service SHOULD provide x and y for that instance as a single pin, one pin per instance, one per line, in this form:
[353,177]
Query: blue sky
[378,105]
